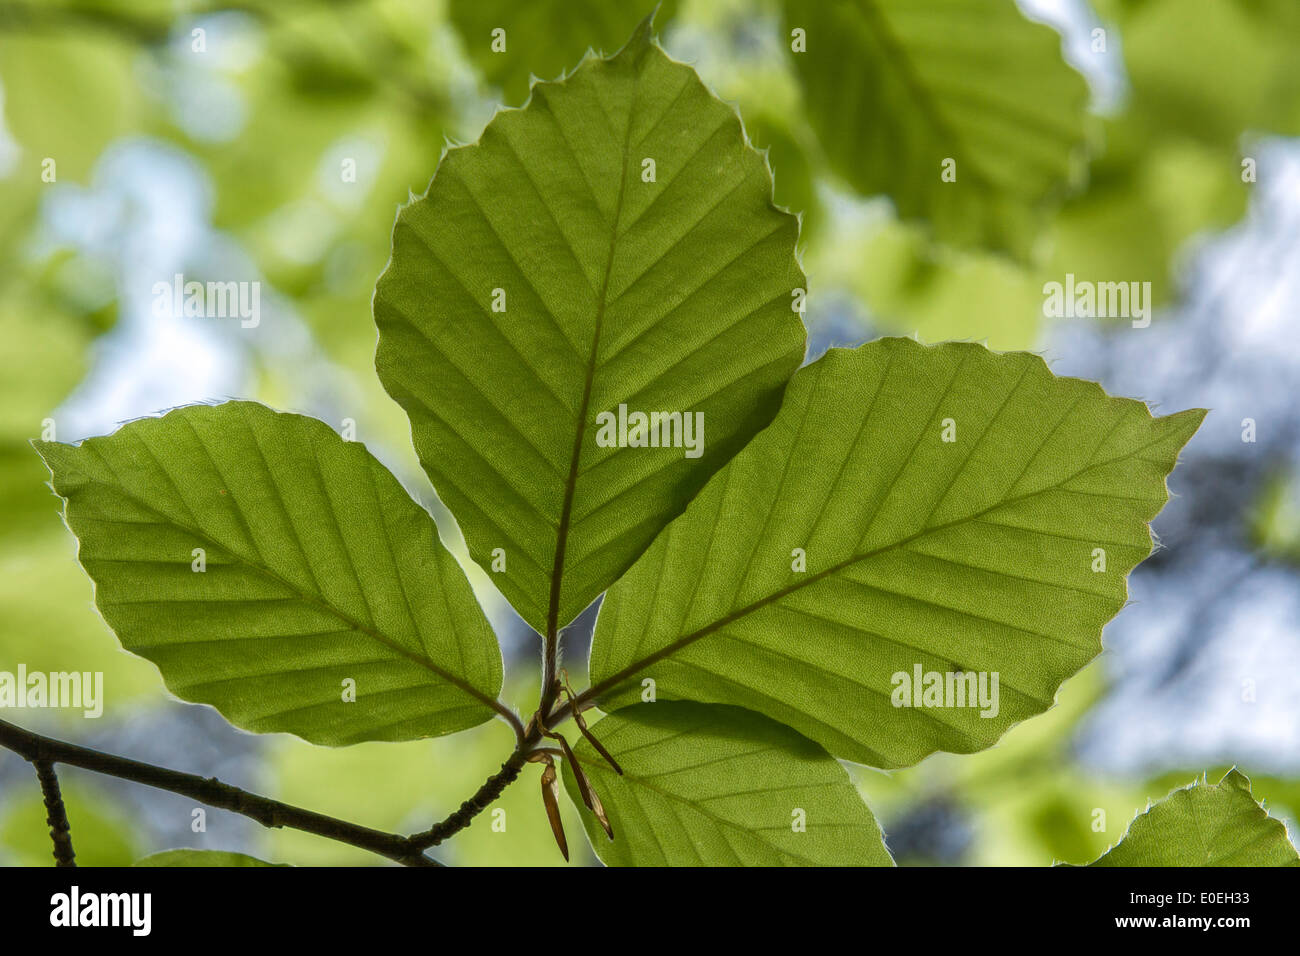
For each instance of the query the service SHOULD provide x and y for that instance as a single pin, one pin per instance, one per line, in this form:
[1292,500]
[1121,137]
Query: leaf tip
[642,37]
[57,456]
[1234,779]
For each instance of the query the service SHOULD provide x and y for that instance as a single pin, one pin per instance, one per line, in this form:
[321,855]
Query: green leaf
[543,37]
[665,296]
[974,555]
[705,785]
[895,88]
[1204,824]
[319,569]
[188,857]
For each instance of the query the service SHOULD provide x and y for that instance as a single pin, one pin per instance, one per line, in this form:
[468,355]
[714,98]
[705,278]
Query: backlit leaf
[1205,825]
[318,569]
[705,785]
[977,556]
[673,295]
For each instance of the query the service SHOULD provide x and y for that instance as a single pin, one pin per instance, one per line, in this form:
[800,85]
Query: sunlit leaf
[851,545]
[320,576]
[706,785]
[545,281]
[1205,824]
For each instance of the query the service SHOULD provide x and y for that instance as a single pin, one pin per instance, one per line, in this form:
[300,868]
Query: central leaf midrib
[571,483]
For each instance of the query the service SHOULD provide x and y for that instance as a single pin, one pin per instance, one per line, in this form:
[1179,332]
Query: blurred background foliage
[1105,139]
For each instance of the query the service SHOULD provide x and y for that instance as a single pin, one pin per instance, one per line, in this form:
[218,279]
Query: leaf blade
[670,295]
[707,785]
[1204,824]
[963,557]
[317,568]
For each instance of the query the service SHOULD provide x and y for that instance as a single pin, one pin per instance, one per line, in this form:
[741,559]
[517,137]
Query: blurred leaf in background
[963,112]
[510,43]
[1201,89]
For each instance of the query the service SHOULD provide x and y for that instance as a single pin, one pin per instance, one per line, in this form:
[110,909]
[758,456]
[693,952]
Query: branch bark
[407,850]
[56,814]
[40,750]
[484,797]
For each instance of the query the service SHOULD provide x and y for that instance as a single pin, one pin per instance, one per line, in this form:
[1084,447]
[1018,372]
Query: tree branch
[407,850]
[480,801]
[46,751]
[56,814]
